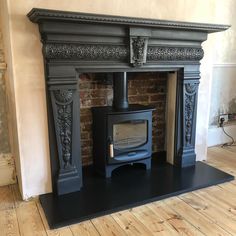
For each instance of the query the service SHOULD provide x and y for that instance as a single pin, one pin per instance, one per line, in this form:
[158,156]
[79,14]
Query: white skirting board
[216,135]
[7,170]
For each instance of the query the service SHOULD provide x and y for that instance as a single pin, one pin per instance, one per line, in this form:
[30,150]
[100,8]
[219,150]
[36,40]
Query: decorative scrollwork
[64,124]
[174,53]
[85,52]
[190,96]
[138,51]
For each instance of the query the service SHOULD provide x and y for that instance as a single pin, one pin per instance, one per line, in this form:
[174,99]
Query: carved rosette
[63,100]
[138,51]
[190,97]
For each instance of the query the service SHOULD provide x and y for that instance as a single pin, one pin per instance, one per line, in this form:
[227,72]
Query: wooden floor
[209,211]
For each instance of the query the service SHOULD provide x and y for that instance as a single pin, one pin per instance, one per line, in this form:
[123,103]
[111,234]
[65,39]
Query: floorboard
[214,213]
[85,228]
[131,225]
[106,225]
[181,226]
[156,224]
[194,217]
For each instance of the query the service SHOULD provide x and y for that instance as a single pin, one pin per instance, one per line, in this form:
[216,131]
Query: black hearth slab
[130,186]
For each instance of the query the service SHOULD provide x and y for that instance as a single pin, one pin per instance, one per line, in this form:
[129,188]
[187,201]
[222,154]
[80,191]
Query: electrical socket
[225,117]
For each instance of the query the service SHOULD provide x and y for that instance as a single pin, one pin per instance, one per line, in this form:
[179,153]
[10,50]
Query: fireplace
[77,43]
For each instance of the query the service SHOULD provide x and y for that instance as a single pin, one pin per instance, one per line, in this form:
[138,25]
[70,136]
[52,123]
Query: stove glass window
[130,134]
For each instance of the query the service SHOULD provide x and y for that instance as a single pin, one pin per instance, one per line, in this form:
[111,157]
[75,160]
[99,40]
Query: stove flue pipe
[120,90]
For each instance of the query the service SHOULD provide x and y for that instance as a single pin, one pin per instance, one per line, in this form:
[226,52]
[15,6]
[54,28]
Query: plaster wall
[7,167]
[4,141]
[223,95]
[26,73]
[223,101]
[223,86]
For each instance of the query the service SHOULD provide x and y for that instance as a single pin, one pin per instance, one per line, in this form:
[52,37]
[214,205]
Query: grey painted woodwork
[75,43]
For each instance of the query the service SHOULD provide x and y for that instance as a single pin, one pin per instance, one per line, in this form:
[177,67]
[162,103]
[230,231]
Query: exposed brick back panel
[143,88]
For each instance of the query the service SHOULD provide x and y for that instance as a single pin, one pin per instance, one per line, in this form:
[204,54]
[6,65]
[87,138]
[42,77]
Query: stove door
[129,136]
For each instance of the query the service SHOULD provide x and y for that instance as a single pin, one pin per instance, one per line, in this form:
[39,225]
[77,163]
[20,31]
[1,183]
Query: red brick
[132,91]
[157,97]
[98,102]
[138,98]
[85,111]
[86,143]
[144,88]
[99,93]
[86,127]
[86,151]
[86,118]
[84,135]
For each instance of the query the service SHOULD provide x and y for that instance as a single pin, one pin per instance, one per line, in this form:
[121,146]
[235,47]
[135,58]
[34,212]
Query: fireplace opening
[148,90]
[122,133]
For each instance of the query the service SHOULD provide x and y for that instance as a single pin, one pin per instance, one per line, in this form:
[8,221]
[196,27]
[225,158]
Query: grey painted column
[186,112]
[64,122]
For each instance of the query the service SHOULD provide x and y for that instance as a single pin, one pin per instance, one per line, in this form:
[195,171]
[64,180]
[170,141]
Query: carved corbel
[138,50]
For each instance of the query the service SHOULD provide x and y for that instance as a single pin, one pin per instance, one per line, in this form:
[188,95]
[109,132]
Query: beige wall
[223,85]
[26,74]
[10,88]
[4,140]
[7,169]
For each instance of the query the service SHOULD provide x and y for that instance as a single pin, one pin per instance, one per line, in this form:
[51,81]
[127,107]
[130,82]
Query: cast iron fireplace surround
[75,43]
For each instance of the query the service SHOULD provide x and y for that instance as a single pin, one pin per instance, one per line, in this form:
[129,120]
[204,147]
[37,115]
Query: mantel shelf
[38,15]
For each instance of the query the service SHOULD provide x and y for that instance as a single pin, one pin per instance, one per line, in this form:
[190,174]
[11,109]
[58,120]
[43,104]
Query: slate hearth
[76,43]
[129,187]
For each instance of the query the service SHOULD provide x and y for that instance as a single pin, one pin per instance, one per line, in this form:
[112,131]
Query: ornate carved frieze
[190,97]
[138,50]
[85,52]
[174,54]
[63,102]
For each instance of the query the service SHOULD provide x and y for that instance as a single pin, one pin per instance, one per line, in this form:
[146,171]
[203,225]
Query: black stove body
[122,133]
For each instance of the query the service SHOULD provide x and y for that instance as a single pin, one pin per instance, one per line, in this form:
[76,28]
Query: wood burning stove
[121,137]
[122,134]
